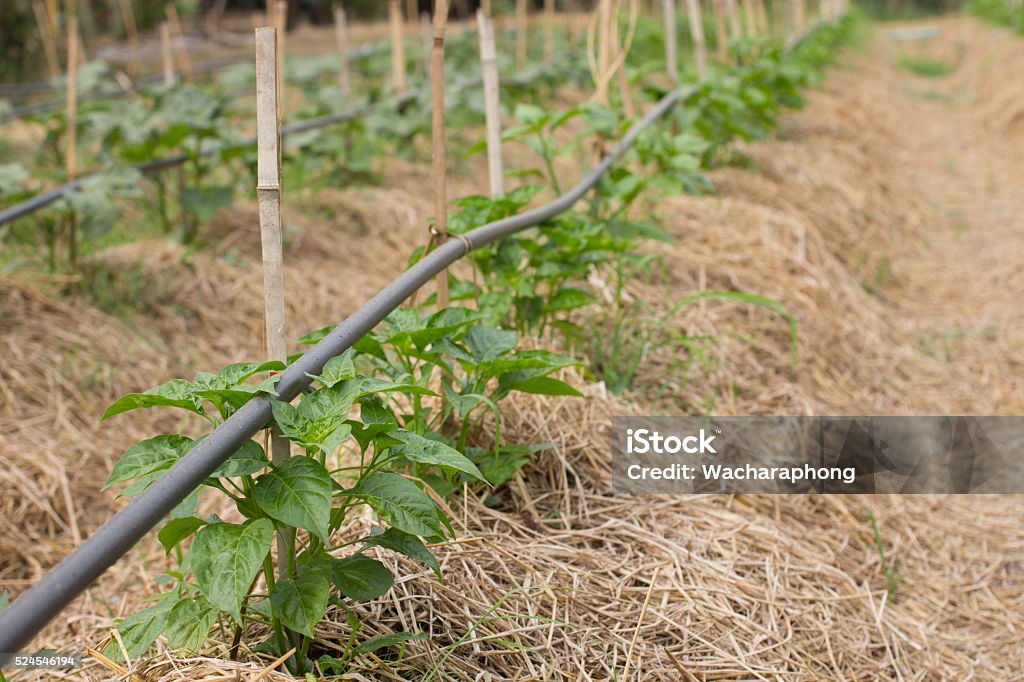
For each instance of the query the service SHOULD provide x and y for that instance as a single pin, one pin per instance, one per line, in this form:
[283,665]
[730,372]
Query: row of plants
[203,123]
[413,411]
[1001,12]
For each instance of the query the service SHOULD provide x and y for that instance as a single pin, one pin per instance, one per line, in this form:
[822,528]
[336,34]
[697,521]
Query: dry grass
[565,581]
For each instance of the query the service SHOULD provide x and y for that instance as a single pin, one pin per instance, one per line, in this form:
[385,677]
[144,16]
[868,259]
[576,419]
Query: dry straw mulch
[854,219]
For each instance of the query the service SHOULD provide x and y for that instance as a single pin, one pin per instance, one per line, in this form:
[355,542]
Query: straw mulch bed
[853,221]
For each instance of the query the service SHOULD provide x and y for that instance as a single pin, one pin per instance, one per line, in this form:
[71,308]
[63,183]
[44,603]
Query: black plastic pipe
[34,609]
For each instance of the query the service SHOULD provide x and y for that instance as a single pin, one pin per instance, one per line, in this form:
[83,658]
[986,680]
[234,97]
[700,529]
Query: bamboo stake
[492,103]
[412,11]
[762,18]
[700,50]
[166,56]
[179,38]
[268,194]
[437,137]
[49,46]
[128,17]
[549,29]
[522,17]
[281,24]
[427,37]
[721,41]
[628,107]
[799,18]
[485,5]
[750,18]
[397,48]
[71,158]
[668,8]
[604,50]
[735,29]
[341,37]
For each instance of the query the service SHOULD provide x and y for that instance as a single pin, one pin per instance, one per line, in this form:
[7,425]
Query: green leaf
[235,373]
[487,343]
[148,457]
[204,202]
[174,393]
[416,448]
[361,578]
[399,502]
[247,460]
[301,603]
[5,600]
[226,558]
[189,623]
[388,640]
[545,386]
[568,298]
[141,629]
[297,492]
[314,337]
[404,543]
[177,530]
[338,368]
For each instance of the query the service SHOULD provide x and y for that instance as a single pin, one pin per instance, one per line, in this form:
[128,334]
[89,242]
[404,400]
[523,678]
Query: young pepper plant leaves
[404,543]
[301,603]
[361,578]
[226,558]
[147,457]
[416,448]
[297,492]
[174,393]
[399,502]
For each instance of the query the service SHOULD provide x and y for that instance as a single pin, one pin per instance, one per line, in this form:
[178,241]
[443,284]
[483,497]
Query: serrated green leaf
[361,578]
[226,558]
[404,543]
[148,457]
[297,492]
[301,603]
[399,502]
[177,530]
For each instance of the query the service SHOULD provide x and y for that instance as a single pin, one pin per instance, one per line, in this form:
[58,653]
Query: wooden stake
[281,24]
[628,107]
[522,17]
[341,37]
[397,48]
[763,27]
[71,158]
[486,7]
[128,17]
[700,50]
[46,37]
[412,11]
[166,56]
[750,17]
[721,41]
[549,29]
[437,136]
[604,50]
[179,38]
[427,36]
[268,194]
[668,8]
[735,29]
[492,103]
[799,18]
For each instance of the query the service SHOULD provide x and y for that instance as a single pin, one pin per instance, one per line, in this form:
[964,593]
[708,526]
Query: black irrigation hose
[34,609]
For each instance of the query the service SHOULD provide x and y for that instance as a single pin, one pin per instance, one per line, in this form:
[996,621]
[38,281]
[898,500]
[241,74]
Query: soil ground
[887,215]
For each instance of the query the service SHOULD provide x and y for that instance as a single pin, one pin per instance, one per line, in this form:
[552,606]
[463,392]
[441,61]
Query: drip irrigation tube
[36,607]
